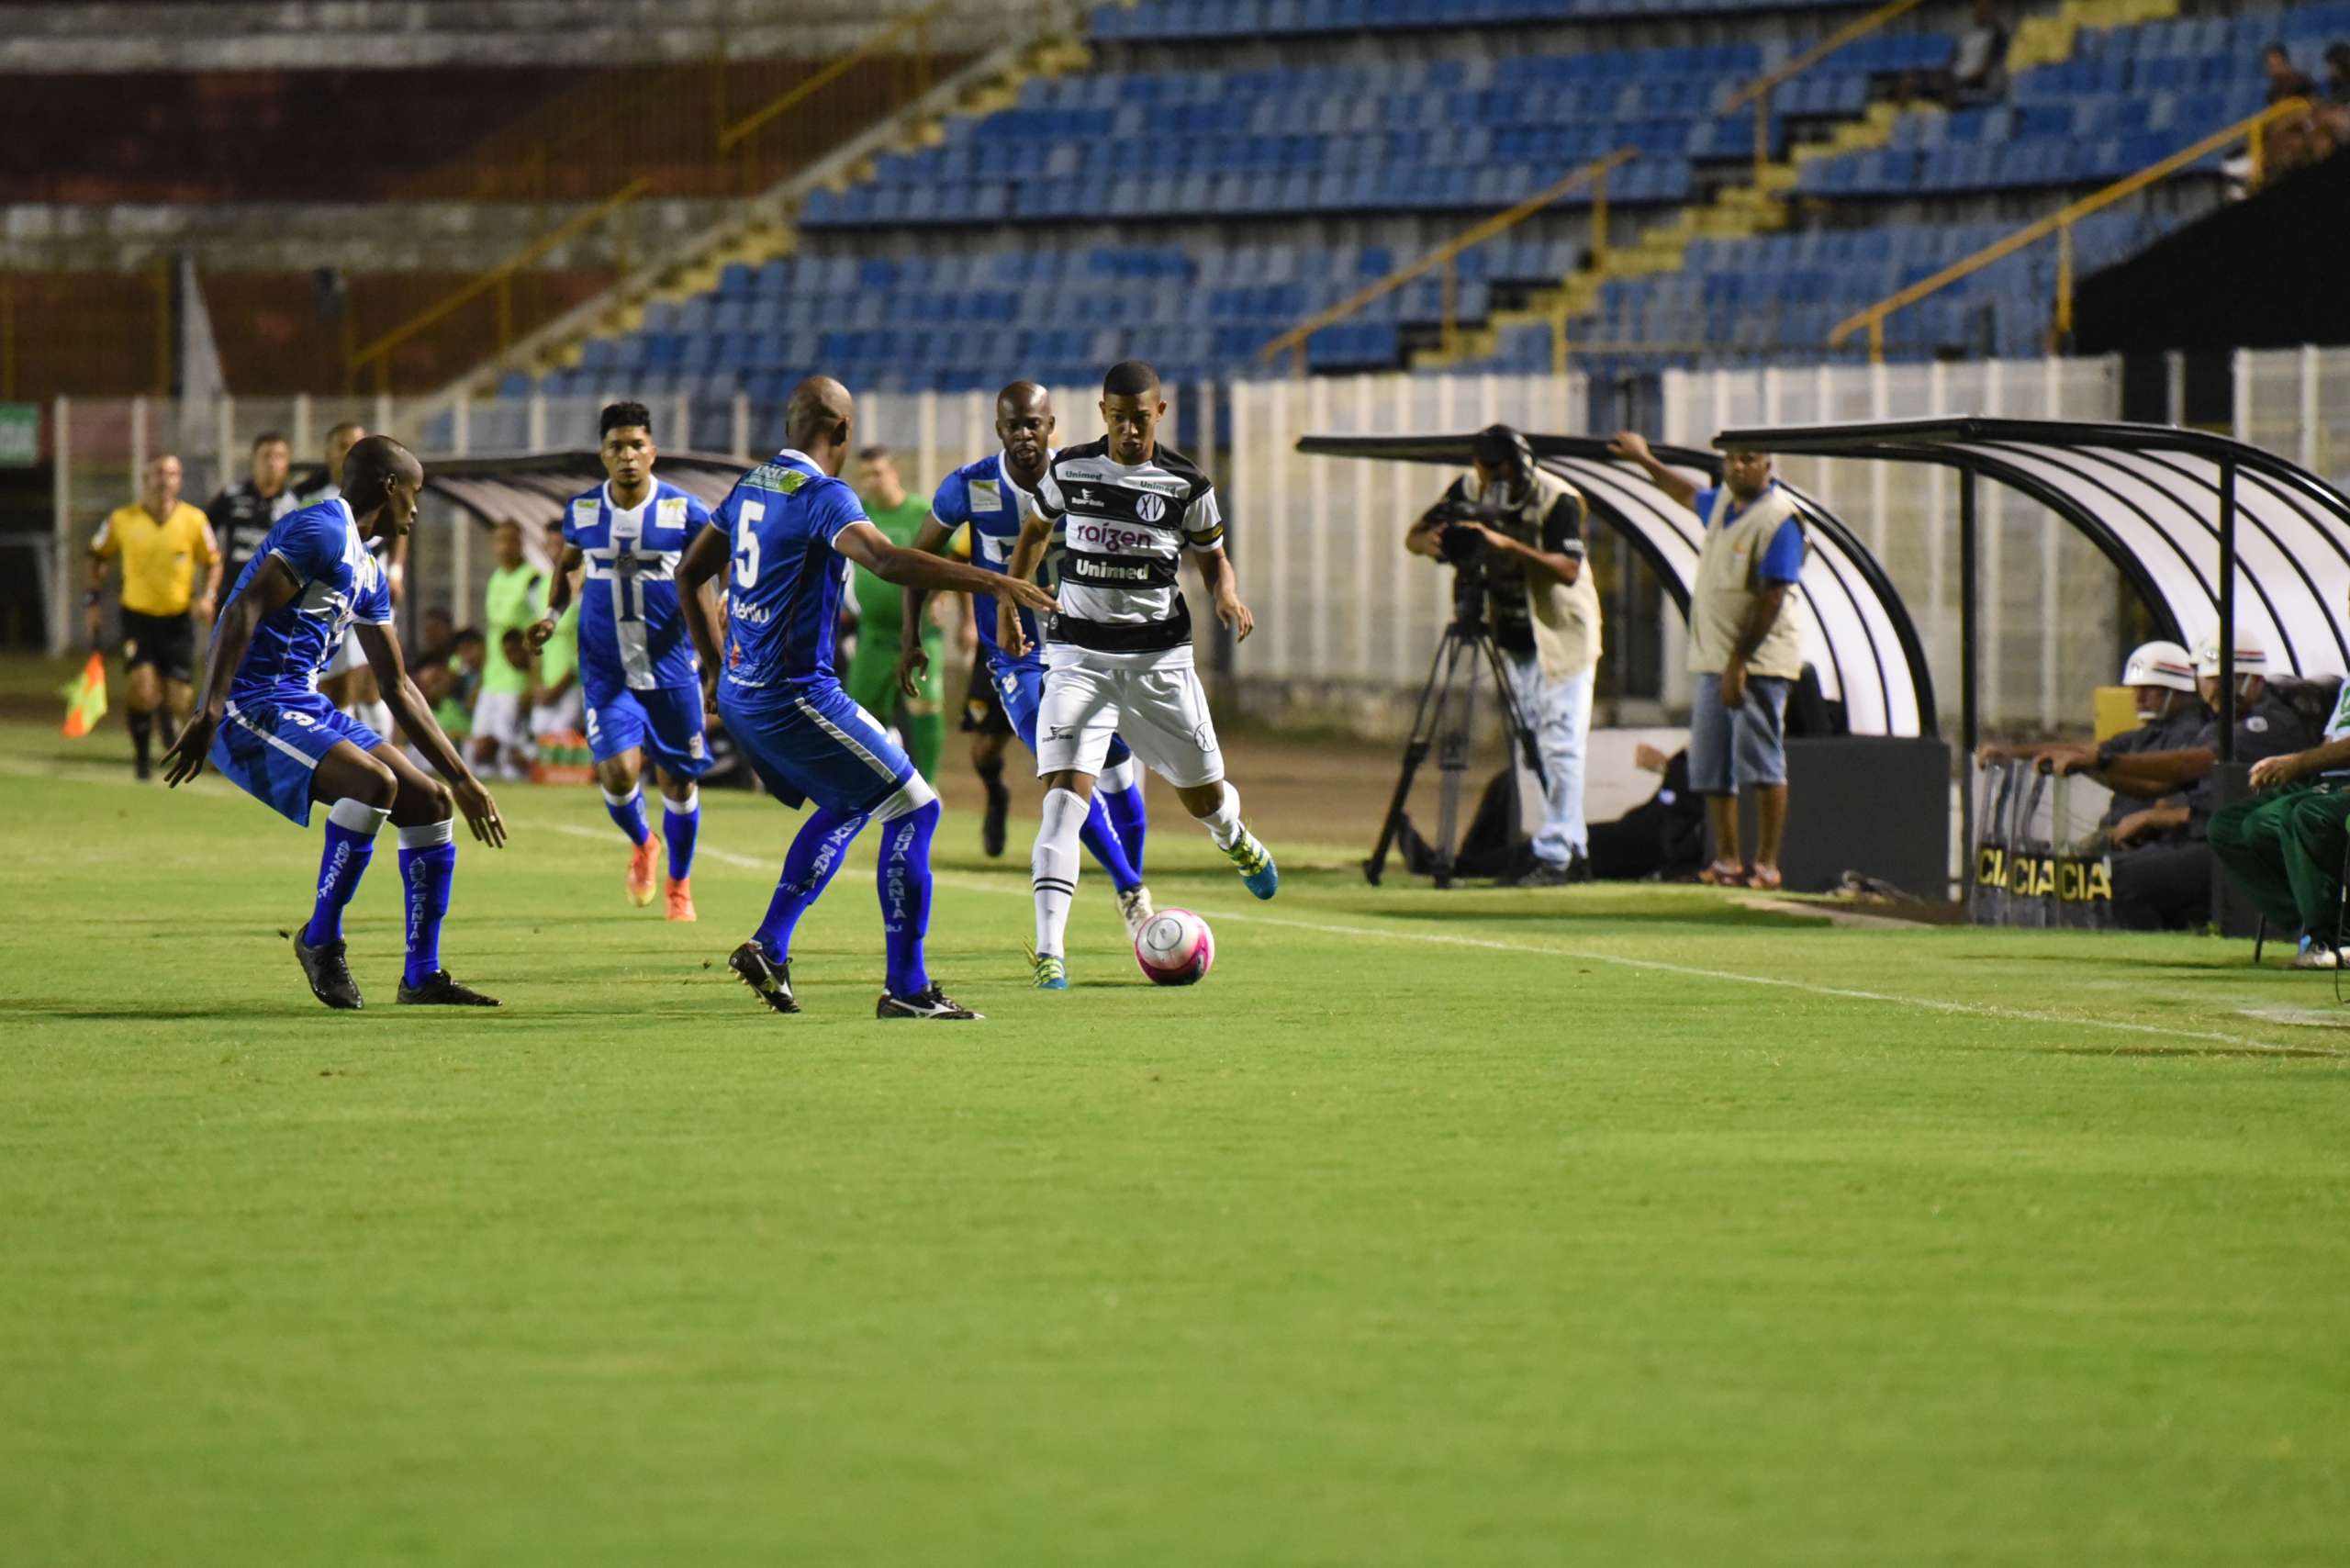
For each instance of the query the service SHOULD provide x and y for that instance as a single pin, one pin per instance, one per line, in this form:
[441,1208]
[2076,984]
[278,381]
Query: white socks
[1122,776]
[358,816]
[1053,866]
[1223,822]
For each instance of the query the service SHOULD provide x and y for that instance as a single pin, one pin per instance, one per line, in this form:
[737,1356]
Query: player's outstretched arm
[382,646]
[558,597]
[1028,554]
[1215,571]
[868,547]
[1634,447]
[272,588]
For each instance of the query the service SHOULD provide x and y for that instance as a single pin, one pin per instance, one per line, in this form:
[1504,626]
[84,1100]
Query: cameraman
[1514,532]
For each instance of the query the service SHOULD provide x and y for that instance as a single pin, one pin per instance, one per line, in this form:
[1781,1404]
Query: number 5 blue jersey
[985,496]
[632,630]
[784,588]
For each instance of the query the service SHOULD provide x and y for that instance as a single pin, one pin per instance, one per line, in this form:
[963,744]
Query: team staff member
[2162,865]
[872,679]
[159,541]
[512,605]
[243,514]
[1546,620]
[1745,650]
[2284,847]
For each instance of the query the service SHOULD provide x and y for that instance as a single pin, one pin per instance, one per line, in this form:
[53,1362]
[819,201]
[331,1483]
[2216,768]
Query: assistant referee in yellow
[161,540]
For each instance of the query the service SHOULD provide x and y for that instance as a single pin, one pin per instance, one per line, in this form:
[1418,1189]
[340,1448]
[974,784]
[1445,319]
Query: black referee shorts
[166,642]
[983,711]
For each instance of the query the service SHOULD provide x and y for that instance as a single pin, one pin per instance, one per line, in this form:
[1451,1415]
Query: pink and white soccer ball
[1175,947]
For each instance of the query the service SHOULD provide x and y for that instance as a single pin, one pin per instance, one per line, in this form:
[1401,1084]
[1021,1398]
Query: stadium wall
[1347,620]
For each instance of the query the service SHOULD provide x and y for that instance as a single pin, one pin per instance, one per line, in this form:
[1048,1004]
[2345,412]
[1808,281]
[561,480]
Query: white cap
[2159,664]
[2251,657]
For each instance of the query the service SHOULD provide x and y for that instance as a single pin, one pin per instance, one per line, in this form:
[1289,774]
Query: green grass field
[1598,1225]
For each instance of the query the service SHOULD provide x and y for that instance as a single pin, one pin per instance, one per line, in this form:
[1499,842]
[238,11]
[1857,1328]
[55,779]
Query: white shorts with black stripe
[1155,703]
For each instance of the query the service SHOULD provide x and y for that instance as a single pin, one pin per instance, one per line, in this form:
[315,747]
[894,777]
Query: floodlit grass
[1600,1226]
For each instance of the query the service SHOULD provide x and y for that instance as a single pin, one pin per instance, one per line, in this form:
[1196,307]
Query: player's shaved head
[1022,397]
[380,481]
[816,421]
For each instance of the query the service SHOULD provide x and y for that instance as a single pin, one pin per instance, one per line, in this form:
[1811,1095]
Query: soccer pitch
[1602,1225]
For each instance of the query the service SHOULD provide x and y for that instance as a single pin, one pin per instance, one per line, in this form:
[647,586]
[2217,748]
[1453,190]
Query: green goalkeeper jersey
[881,606]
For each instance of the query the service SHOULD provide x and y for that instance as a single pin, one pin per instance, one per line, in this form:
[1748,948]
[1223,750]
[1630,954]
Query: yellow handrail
[500,277]
[1760,88]
[914,22]
[2060,222]
[1293,340]
[726,139]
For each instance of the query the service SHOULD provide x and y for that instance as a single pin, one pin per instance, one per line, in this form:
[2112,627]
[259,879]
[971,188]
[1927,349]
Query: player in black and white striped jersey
[1113,520]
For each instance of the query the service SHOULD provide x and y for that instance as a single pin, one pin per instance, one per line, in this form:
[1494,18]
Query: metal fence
[1347,620]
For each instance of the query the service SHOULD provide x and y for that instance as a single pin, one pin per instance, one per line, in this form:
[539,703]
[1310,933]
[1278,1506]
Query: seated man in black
[2162,860]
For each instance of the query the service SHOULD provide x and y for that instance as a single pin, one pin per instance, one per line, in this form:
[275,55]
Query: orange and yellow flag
[85,697]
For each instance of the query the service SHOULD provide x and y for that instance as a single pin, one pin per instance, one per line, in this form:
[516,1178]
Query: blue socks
[1120,789]
[680,826]
[902,878]
[1102,840]
[628,814]
[351,844]
[427,865]
[815,855]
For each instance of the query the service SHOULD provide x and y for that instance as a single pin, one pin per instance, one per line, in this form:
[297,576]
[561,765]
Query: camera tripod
[1445,721]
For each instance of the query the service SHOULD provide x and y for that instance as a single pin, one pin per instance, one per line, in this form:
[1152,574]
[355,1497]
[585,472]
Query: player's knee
[911,796]
[428,801]
[375,784]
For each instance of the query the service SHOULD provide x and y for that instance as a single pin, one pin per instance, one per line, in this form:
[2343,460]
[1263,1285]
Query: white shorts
[348,657]
[1160,712]
[499,715]
[566,715]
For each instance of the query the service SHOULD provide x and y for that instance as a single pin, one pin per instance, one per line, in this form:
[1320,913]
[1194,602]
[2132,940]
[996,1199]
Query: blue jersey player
[266,725]
[637,669]
[992,497]
[786,537]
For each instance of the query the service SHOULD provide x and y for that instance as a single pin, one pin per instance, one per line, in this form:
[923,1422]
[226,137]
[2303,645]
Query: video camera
[1506,461]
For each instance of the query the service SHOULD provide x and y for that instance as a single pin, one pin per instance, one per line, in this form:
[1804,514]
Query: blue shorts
[666,721]
[270,745]
[1021,684]
[808,741]
[1729,750]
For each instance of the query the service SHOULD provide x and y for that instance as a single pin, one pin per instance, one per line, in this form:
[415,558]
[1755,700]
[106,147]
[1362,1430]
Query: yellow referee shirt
[158,558]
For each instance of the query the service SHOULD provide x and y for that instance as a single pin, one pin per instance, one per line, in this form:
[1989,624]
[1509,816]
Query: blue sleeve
[1783,557]
[952,504]
[312,546]
[1703,503]
[835,507]
[375,605]
[571,520]
[697,516]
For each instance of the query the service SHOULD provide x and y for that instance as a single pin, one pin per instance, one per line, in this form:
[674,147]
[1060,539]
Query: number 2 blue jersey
[784,588]
[341,583]
[632,629]
[985,496]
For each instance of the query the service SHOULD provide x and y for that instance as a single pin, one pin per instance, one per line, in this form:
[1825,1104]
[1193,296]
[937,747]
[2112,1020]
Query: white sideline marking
[1923,1003]
[1657,966]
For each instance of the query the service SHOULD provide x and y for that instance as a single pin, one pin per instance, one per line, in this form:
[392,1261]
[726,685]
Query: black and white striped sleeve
[1204,521]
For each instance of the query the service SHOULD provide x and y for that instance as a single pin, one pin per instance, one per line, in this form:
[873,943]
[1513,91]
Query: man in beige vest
[1545,619]
[1745,650]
